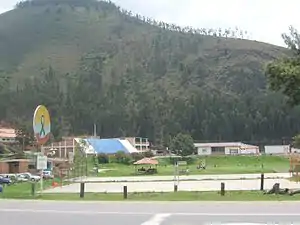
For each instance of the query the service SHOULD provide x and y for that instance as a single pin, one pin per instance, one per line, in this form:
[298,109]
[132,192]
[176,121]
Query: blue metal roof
[107,146]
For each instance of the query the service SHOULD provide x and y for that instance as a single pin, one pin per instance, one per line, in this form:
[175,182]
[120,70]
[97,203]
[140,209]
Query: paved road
[147,213]
[166,186]
[184,177]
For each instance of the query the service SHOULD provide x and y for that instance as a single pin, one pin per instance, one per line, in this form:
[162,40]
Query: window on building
[218,150]
[234,151]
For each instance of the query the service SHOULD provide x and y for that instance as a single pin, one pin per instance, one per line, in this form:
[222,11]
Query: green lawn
[24,190]
[178,196]
[215,165]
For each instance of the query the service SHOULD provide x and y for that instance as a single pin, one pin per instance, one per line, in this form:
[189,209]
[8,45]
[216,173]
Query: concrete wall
[277,149]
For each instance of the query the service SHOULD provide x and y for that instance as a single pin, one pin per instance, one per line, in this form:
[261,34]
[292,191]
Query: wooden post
[33,189]
[222,189]
[262,177]
[81,190]
[125,192]
[175,188]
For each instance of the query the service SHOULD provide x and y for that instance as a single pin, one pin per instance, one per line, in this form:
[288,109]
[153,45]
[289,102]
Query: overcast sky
[265,20]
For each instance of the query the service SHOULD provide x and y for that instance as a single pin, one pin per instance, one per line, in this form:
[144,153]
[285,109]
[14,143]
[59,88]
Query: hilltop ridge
[136,76]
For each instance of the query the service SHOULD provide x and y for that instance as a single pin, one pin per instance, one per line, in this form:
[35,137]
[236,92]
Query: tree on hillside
[284,74]
[134,76]
[24,136]
[182,144]
[4,92]
[296,141]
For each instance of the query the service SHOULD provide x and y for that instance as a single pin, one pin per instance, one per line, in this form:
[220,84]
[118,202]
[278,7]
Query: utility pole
[95,130]
[23,143]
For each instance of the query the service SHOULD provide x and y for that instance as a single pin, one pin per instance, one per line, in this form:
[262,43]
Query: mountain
[92,62]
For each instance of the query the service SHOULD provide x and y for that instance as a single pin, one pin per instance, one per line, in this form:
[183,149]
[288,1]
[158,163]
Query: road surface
[147,213]
[166,186]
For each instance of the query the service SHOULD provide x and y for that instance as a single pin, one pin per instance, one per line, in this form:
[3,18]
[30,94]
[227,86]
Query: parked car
[47,175]
[4,180]
[21,178]
[4,175]
[30,176]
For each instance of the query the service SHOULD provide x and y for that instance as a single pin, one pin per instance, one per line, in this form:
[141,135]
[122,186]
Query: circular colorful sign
[41,124]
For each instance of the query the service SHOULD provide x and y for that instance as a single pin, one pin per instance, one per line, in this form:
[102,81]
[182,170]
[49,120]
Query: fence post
[175,187]
[262,177]
[125,192]
[82,190]
[33,189]
[222,189]
[276,188]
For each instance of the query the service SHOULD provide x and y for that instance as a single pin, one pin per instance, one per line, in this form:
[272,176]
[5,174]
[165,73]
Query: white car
[48,175]
[30,176]
[21,178]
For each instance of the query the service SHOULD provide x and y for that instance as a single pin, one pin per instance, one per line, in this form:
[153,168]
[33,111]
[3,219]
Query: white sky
[265,20]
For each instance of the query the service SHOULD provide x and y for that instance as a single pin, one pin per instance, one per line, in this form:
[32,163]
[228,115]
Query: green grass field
[215,165]
[24,190]
[172,196]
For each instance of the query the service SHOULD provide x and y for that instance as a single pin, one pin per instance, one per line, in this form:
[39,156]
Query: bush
[102,158]
[136,156]
[122,158]
[148,154]
[189,160]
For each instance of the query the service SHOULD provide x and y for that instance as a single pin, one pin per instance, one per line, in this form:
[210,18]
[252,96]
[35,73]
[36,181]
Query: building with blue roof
[106,146]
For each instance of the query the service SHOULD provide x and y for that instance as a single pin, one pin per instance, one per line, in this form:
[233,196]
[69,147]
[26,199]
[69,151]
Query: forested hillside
[91,62]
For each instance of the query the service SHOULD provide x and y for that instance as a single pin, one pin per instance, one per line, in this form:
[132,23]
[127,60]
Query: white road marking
[246,223]
[241,223]
[50,211]
[150,202]
[157,219]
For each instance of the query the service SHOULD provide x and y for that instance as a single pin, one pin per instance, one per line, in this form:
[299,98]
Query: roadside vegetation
[170,196]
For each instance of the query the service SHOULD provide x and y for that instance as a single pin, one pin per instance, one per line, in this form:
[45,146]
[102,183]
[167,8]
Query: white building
[90,146]
[226,148]
[8,136]
[277,149]
[141,144]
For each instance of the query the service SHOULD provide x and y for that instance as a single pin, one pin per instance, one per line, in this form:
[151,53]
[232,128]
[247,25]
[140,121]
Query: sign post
[182,163]
[41,164]
[42,130]
[175,176]
[41,125]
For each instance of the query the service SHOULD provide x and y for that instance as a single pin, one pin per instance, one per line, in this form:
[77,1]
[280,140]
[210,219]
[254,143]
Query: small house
[226,148]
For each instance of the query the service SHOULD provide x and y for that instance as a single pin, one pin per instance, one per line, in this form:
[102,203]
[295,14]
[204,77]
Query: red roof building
[7,135]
